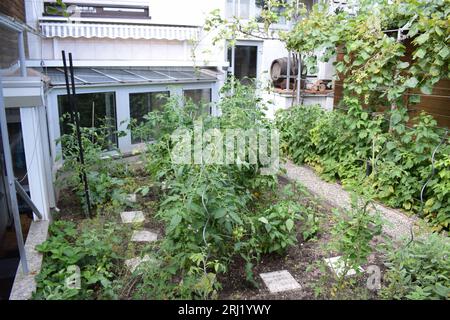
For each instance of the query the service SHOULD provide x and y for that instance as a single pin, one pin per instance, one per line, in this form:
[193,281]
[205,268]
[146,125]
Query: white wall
[183,12]
[95,49]
[130,52]
[272,49]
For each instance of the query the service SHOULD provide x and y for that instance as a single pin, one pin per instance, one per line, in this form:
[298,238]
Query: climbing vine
[373,43]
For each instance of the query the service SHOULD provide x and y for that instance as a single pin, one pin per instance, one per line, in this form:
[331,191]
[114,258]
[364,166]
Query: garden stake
[71,96]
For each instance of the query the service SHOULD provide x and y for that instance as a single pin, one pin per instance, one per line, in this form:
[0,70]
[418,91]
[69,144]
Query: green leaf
[420,53]
[422,38]
[263,220]
[390,145]
[219,213]
[175,221]
[444,52]
[441,290]
[411,82]
[289,224]
[340,67]
[415,98]
[396,118]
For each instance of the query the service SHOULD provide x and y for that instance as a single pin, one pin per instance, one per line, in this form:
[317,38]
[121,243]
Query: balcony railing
[114,31]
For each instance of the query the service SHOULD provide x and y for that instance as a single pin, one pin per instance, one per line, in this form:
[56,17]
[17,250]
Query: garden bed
[304,260]
[212,229]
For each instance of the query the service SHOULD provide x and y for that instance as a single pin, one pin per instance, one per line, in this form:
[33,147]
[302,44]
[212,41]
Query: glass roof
[91,76]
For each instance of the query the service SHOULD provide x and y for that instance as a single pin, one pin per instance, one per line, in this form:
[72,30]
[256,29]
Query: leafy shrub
[278,222]
[353,233]
[294,125]
[106,177]
[437,206]
[213,211]
[89,249]
[162,283]
[342,145]
[419,270]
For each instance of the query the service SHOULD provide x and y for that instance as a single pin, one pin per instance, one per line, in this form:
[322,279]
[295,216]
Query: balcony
[83,28]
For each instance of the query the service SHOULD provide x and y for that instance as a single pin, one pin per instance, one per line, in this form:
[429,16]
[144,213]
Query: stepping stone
[144,236]
[133,263]
[280,281]
[337,265]
[132,197]
[132,217]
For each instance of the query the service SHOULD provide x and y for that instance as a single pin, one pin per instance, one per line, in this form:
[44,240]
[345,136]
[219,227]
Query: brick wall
[13,8]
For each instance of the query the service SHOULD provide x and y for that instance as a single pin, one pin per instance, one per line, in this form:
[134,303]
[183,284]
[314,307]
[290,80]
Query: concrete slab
[144,236]
[25,285]
[132,217]
[336,264]
[280,281]
[133,263]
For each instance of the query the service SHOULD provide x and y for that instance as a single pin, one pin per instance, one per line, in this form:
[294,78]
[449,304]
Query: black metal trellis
[75,117]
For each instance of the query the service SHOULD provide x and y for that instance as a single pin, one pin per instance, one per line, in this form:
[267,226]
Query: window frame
[210,111]
[114,144]
[136,143]
[259,55]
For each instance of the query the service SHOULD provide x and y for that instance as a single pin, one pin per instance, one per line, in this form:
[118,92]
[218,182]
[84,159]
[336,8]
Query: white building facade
[126,52]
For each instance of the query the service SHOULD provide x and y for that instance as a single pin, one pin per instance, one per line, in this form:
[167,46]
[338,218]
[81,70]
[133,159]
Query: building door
[244,62]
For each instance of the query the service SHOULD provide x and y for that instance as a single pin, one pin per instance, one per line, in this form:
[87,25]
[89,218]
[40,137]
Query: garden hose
[427,182]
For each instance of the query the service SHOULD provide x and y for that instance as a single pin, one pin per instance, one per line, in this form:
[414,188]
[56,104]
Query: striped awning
[117,31]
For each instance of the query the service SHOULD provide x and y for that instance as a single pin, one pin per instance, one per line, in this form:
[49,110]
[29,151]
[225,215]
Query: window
[143,103]
[238,8]
[96,110]
[245,62]
[17,147]
[263,4]
[200,97]
[98,11]
[16,144]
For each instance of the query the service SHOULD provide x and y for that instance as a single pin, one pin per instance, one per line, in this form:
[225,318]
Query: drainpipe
[288,73]
[299,77]
[23,67]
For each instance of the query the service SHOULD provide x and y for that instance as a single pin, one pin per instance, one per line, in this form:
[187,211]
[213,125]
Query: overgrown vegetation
[352,235]
[108,180]
[217,213]
[419,270]
[374,48]
[80,262]
[214,212]
[347,146]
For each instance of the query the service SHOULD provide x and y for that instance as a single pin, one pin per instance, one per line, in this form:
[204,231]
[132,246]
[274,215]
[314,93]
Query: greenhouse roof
[114,76]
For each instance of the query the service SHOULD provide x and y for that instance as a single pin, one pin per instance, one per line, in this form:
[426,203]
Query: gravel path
[397,223]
